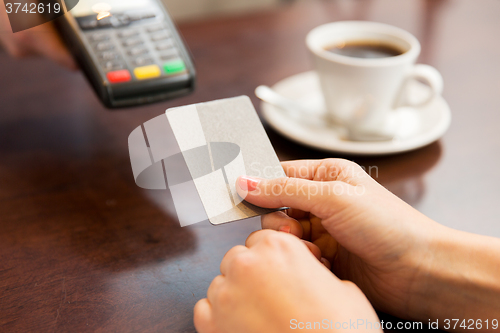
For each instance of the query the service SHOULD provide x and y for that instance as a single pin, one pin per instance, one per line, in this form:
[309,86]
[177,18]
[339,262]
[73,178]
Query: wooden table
[82,248]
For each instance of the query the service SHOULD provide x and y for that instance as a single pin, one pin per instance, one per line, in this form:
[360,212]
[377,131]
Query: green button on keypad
[174,66]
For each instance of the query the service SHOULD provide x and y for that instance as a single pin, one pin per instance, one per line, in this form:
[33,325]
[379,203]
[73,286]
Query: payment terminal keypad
[133,47]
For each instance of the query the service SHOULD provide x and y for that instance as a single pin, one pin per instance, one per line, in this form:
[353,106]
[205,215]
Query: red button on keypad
[119,76]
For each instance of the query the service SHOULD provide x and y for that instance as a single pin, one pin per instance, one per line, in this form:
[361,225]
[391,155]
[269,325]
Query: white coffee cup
[361,93]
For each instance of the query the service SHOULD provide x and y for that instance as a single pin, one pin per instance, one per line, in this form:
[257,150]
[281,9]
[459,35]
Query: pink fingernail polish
[285,228]
[248,183]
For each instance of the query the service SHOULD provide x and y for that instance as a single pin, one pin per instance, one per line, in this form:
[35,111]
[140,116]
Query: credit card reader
[129,50]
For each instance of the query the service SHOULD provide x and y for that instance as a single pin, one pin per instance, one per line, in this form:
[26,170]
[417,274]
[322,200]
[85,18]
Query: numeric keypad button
[142,61]
[109,55]
[132,42]
[138,50]
[98,36]
[127,33]
[162,35]
[165,45]
[104,46]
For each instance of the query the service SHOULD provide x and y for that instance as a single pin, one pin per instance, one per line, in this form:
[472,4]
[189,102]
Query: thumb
[307,195]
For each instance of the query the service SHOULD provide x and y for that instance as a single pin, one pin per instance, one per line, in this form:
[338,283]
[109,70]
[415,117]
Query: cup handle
[430,76]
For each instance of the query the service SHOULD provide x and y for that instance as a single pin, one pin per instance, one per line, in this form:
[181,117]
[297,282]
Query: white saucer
[417,127]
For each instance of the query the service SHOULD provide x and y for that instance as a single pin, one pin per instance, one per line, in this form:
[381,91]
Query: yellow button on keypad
[147,72]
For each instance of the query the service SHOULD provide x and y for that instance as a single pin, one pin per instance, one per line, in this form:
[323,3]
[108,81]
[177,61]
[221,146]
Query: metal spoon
[298,112]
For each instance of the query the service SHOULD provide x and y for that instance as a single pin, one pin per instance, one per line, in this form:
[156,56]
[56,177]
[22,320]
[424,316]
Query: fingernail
[248,183]
[285,228]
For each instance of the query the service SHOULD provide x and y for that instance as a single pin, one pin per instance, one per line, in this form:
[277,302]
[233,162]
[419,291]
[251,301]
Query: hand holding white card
[220,141]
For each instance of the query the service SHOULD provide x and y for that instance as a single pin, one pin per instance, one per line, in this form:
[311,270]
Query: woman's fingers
[319,198]
[48,43]
[306,228]
[40,40]
[214,287]
[229,257]
[327,264]
[267,235]
[305,169]
[280,221]
[257,236]
[203,317]
[315,250]
[297,213]
[332,169]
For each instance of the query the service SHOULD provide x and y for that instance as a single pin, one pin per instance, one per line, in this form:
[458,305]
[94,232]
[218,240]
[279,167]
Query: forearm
[461,281]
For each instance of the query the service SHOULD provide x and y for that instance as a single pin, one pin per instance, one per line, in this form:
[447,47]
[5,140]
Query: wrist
[457,277]
[425,262]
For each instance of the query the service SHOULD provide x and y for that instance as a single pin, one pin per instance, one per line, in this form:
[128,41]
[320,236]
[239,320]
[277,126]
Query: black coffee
[365,49]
